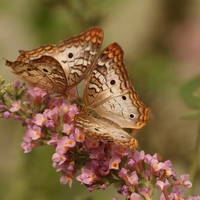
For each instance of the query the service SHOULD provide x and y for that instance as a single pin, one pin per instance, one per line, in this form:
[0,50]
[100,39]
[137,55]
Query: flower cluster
[50,121]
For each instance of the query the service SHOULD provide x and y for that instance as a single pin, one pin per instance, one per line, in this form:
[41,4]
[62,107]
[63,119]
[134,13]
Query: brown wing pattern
[62,66]
[76,54]
[45,72]
[100,130]
[109,93]
[111,102]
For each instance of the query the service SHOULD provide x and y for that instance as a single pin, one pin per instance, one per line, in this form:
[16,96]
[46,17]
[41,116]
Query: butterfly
[111,103]
[58,68]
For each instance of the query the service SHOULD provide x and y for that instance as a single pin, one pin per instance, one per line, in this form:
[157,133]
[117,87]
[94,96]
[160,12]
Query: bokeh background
[161,41]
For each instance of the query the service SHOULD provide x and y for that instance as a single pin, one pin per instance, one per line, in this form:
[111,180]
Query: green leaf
[195,115]
[2,80]
[187,93]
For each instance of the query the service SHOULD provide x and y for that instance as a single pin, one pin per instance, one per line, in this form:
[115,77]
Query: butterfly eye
[112,82]
[45,70]
[124,97]
[131,116]
[70,55]
[28,69]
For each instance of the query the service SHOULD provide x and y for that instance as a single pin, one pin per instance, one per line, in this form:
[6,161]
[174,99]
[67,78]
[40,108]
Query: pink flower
[184,181]
[114,162]
[124,190]
[50,124]
[162,185]
[120,150]
[104,186]
[58,158]
[2,107]
[133,178]
[100,166]
[67,128]
[65,107]
[70,142]
[157,165]
[97,153]
[131,163]
[66,178]
[148,158]
[37,92]
[34,132]
[176,193]
[65,143]
[73,111]
[26,144]
[37,96]
[91,143]
[115,198]
[123,172]
[39,119]
[79,135]
[53,140]
[168,170]
[51,113]
[145,192]
[87,177]
[16,105]
[138,156]
[135,196]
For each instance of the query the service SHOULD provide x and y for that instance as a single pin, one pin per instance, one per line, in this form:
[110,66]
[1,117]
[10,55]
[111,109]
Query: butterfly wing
[109,93]
[45,72]
[76,54]
[99,129]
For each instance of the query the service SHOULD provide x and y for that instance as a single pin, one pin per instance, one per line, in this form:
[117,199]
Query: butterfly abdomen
[92,113]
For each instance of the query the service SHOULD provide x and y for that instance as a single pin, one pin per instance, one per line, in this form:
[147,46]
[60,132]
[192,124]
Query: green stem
[194,164]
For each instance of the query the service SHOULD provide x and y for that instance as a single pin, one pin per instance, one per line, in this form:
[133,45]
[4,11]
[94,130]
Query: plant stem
[194,164]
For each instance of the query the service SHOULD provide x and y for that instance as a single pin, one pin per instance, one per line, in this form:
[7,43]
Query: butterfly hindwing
[100,130]
[45,72]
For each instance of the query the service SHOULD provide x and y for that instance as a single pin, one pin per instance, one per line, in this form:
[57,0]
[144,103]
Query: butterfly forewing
[109,92]
[75,56]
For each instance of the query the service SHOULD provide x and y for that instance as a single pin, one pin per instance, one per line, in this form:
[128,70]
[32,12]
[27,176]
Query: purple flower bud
[6,115]
[135,196]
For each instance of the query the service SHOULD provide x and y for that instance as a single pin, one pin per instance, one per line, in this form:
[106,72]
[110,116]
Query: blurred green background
[161,41]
